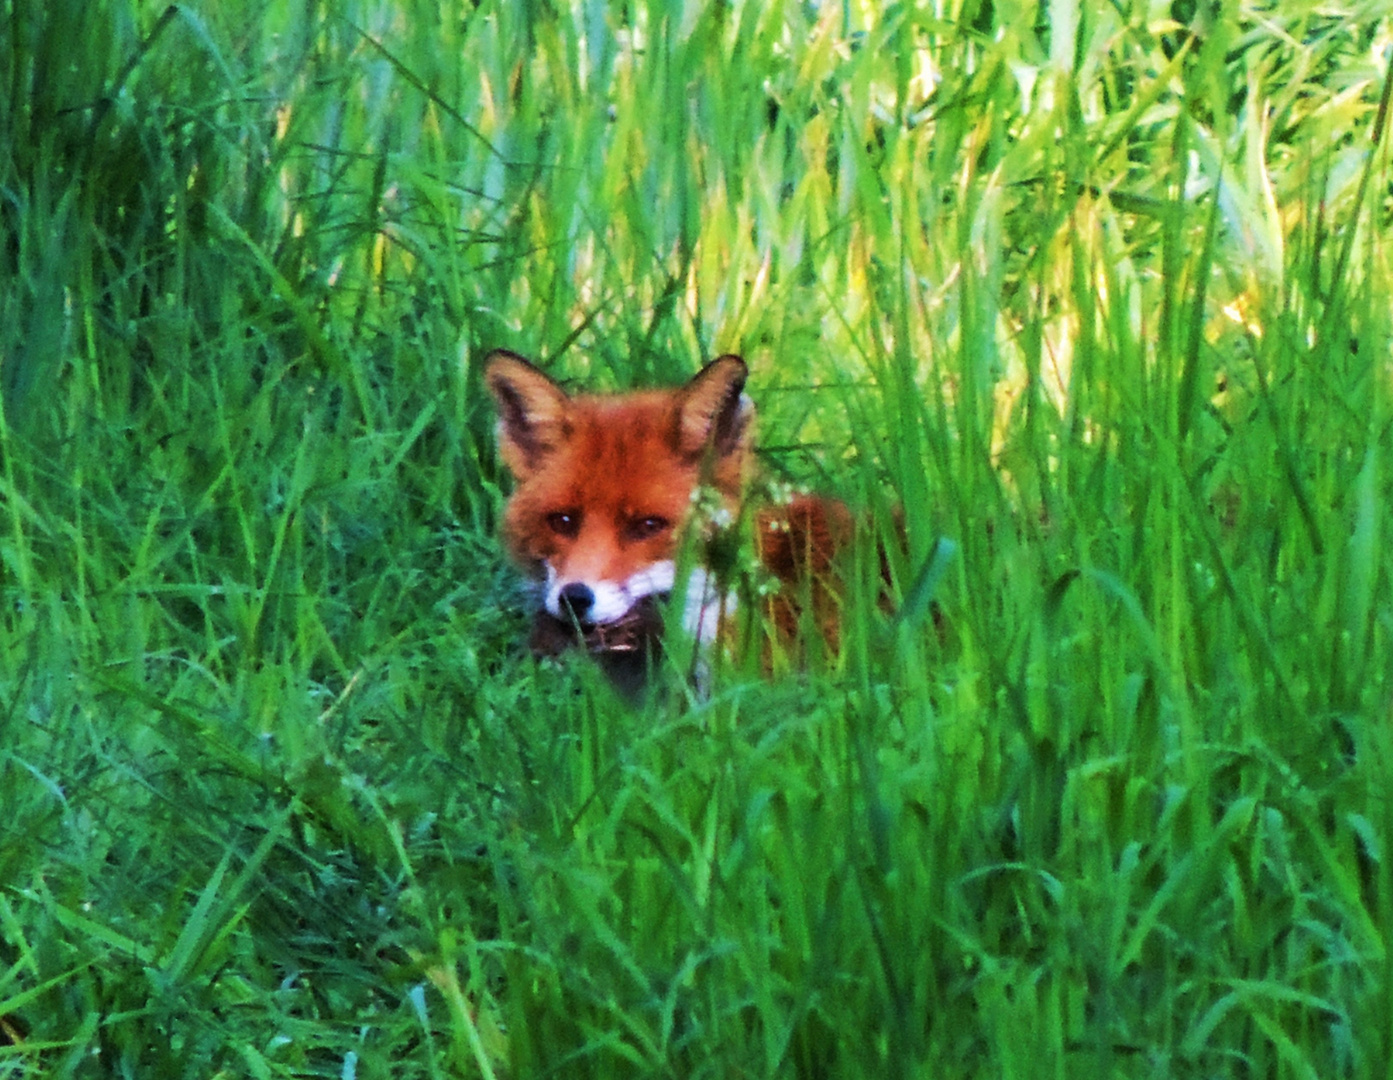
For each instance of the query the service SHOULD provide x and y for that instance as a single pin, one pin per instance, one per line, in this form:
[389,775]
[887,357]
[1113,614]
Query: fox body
[606,486]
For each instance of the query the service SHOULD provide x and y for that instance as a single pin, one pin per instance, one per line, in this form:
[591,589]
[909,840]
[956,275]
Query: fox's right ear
[532,411]
[714,411]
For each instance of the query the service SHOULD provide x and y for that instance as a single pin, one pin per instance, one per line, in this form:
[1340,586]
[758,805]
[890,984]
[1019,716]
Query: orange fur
[605,491]
[798,542]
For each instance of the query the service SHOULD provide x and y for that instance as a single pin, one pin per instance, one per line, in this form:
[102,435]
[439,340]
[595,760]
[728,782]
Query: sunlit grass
[1096,296]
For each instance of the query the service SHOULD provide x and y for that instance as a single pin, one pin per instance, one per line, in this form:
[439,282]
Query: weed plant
[1096,293]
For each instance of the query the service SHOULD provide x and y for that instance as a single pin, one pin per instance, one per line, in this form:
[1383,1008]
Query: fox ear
[712,411]
[532,420]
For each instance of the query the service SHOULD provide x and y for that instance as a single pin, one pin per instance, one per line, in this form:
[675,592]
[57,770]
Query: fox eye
[564,522]
[642,528]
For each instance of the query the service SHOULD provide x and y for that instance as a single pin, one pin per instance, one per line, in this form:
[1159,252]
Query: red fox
[608,486]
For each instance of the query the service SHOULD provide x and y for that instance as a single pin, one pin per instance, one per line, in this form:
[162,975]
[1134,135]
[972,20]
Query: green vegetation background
[1099,291]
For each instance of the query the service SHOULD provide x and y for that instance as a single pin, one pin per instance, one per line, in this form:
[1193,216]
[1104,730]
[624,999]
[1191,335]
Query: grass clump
[1095,292]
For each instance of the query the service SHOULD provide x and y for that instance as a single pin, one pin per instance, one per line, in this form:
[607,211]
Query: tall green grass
[1097,293]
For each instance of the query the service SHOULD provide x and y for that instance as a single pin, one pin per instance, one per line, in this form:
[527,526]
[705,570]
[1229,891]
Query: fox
[608,487]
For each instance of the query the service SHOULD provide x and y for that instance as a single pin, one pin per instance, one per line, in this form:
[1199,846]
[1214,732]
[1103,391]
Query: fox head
[605,482]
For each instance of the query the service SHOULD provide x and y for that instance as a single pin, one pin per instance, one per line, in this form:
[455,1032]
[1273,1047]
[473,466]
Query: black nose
[576,600]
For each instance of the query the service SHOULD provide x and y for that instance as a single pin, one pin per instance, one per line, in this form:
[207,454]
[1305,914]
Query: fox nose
[576,600]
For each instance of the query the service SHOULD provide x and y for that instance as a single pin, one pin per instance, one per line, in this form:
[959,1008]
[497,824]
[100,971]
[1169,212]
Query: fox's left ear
[713,412]
[533,411]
